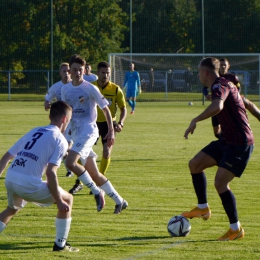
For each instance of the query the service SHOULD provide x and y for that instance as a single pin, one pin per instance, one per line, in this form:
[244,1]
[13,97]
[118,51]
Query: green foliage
[149,168]
[163,26]
[90,28]
[95,28]
[233,23]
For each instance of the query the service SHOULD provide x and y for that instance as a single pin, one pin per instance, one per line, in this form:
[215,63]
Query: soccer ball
[190,104]
[179,226]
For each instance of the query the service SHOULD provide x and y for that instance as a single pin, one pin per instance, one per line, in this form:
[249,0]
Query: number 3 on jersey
[29,145]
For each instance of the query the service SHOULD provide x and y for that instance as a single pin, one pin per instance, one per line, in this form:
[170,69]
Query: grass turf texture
[149,168]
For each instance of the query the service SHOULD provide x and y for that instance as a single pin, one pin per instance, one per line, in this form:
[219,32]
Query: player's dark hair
[77,59]
[211,63]
[59,109]
[103,64]
[224,59]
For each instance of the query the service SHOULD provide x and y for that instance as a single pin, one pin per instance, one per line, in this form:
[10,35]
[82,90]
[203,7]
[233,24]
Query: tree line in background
[94,28]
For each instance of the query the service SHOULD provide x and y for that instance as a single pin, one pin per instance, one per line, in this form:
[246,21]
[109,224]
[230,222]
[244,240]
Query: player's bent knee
[220,186]
[193,166]
[67,197]
[70,165]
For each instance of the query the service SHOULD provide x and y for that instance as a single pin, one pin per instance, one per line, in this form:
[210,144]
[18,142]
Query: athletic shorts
[19,195]
[231,157]
[131,92]
[103,130]
[83,146]
[214,121]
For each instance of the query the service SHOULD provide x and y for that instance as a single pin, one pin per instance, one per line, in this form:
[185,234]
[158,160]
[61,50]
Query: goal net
[174,77]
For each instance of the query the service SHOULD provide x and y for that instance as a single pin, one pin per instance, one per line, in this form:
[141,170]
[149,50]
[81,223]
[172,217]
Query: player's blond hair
[64,64]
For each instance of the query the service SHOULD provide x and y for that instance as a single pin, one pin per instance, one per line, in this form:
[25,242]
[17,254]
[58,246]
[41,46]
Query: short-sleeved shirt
[33,152]
[115,97]
[231,77]
[132,80]
[233,119]
[55,91]
[90,78]
[84,100]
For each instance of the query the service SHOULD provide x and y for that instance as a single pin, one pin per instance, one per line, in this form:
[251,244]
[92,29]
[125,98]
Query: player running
[83,98]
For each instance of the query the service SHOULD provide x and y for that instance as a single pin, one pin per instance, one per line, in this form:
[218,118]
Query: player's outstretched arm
[47,105]
[252,108]
[4,161]
[214,108]
[190,129]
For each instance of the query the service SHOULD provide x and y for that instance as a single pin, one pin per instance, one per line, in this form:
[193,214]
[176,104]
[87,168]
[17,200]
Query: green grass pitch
[149,168]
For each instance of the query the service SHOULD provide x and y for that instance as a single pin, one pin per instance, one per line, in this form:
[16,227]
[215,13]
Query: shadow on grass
[180,239]
[140,238]
[25,246]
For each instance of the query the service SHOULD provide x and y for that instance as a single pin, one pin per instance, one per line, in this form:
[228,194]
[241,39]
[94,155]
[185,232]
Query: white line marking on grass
[155,251]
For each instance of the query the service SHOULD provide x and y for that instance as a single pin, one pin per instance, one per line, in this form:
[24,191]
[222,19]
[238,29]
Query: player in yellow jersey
[115,96]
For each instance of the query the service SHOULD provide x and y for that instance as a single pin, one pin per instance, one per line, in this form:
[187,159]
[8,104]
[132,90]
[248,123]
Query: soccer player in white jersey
[88,76]
[55,90]
[83,98]
[37,152]
[55,93]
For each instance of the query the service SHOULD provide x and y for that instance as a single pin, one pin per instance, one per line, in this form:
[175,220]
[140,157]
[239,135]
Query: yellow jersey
[114,95]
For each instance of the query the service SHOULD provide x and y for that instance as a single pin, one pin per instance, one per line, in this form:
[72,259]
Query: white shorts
[67,135]
[19,195]
[83,146]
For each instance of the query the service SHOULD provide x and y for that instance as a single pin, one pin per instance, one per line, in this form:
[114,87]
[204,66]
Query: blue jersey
[132,80]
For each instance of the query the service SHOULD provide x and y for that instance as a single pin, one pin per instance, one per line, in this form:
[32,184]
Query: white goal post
[173,77]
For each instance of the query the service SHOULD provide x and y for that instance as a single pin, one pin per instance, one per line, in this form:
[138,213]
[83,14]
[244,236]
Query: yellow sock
[104,164]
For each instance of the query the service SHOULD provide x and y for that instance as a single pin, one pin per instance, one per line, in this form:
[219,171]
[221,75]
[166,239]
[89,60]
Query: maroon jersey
[233,119]
[233,78]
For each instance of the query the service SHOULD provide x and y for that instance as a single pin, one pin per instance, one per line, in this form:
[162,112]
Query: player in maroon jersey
[231,153]
[223,72]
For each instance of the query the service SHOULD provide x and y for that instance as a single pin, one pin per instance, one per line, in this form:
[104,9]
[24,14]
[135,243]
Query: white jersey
[55,91]
[33,152]
[90,78]
[84,100]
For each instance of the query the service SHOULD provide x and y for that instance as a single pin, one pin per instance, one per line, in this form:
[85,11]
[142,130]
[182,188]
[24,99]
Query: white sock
[111,192]
[203,206]
[62,231]
[87,180]
[235,226]
[2,226]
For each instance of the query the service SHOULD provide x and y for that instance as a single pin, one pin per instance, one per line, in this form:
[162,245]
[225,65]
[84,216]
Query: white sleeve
[98,97]
[51,94]
[60,150]
[17,147]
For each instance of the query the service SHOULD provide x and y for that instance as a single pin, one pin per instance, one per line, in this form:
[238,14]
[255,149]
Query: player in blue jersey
[231,153]
[133,86]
